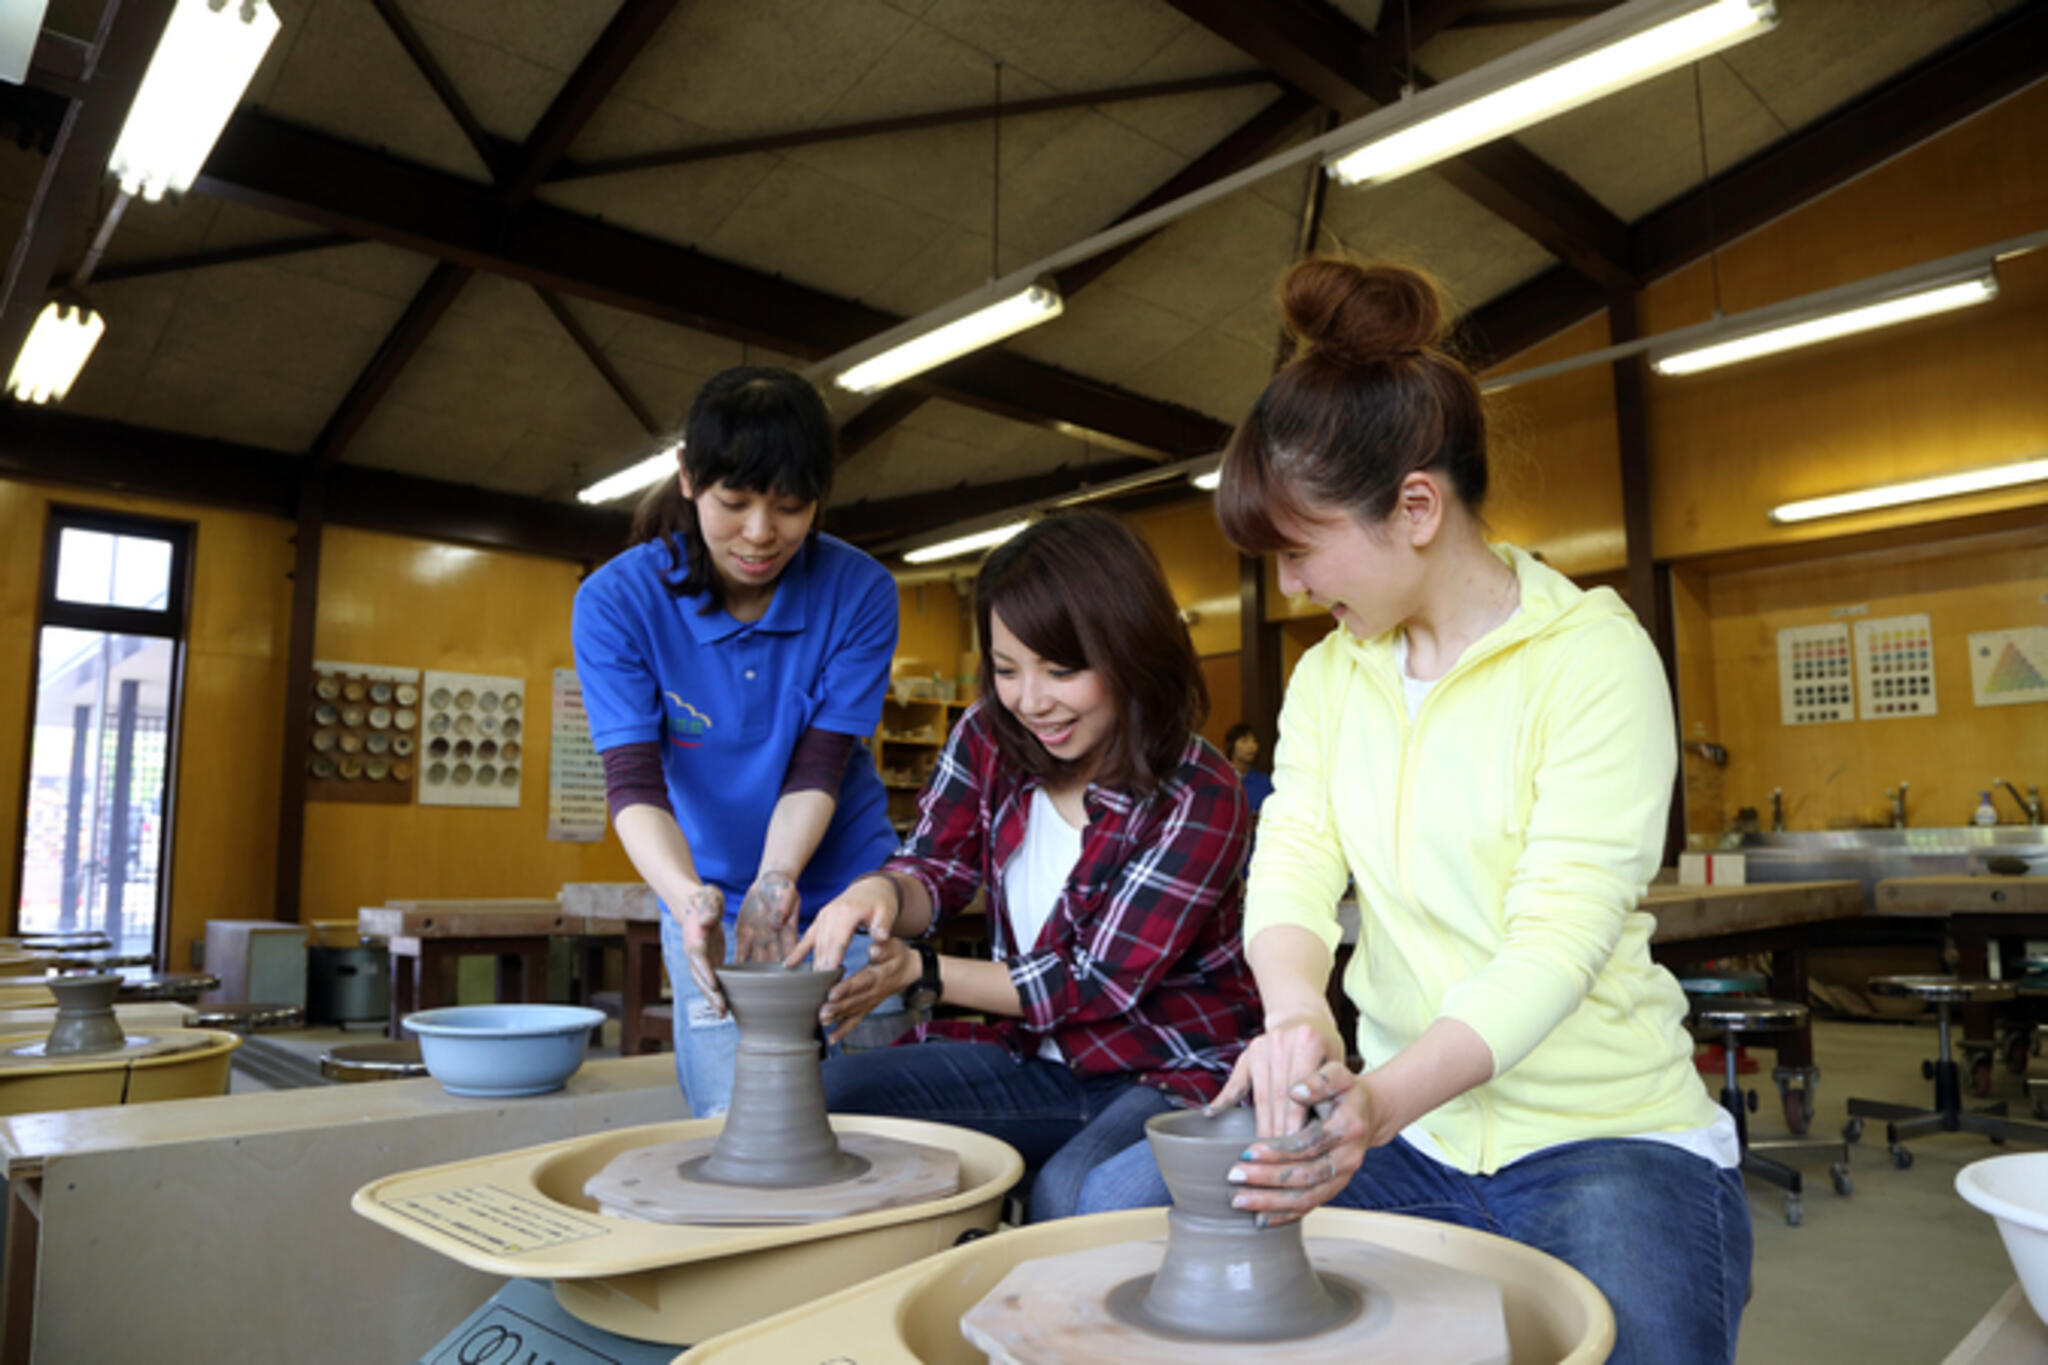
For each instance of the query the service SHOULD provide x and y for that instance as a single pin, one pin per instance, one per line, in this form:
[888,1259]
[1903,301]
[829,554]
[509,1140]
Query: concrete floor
[1899,1271]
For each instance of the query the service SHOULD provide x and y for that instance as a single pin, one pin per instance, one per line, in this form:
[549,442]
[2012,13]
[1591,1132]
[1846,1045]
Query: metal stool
[1948,1115]
[239,1016]
[1734,1016]
[93,960]
[373,1061]
[183,987]
[90,940]
[1797,1085]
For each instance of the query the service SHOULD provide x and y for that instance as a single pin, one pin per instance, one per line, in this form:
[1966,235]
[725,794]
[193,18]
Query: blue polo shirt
[729,699]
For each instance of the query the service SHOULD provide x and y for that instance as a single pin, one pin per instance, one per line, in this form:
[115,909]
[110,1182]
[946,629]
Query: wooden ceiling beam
[67,193]
[1999,60]
[497,153]
[1395,39]
[884,519]
[272,165]
[601,362]
[44,445]
[1316,48]
[227,255]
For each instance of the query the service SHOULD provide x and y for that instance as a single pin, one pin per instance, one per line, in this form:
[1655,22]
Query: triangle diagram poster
[2009,667]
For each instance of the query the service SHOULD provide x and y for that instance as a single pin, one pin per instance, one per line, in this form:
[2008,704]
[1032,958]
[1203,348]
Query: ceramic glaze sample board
[2009,667]
[1815,682]
[1895,667]
[473,739]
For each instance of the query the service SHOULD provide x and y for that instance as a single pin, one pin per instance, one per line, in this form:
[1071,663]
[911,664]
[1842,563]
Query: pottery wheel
[19,1054]
[653,1184]
[1416,1312]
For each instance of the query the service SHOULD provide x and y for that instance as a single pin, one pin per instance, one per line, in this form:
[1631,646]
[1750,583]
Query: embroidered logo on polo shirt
[686,724]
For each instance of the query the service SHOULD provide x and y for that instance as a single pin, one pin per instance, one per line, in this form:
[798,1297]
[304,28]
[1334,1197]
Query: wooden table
[423,935]
[1979,910]
[224,1223]
[637,910]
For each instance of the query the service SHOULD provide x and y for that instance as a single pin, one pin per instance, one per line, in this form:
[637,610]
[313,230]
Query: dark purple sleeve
[632,777]
[818,762]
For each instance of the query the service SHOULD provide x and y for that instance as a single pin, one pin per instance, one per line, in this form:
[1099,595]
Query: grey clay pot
[85,1015]
[776,1133]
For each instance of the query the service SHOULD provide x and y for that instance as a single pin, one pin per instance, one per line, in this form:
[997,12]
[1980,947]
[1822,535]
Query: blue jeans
[706,1046]
[1664,1234]
[1063,1125]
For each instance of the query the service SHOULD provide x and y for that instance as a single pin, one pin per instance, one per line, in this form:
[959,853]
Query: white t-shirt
[1716,1141]
[1036,874]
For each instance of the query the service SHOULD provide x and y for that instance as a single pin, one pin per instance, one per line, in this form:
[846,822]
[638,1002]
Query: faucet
[1777,810]
[1898,800]
[2030,803]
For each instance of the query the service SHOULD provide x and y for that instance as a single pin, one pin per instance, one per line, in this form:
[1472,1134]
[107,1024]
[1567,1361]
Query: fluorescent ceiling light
[1208,482]
[204,62]
[1847,321]
[1619,48]
[56,350]
[984,326]
[633,478]
[965,545]
[1919,490]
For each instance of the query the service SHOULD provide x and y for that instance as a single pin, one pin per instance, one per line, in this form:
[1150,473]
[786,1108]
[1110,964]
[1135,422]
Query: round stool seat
[373,1061]
[1745,1014]
[241,1016]
[185,987]
[1944,990]
[66,943]
[1724,983]
[68,961]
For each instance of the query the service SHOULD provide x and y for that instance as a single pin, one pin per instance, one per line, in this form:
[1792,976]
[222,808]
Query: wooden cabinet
[907,745]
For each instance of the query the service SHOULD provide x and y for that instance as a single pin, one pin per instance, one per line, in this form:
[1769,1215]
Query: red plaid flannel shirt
[1140,968]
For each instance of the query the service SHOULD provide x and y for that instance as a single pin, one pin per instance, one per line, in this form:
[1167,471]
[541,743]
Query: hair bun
[1360,313]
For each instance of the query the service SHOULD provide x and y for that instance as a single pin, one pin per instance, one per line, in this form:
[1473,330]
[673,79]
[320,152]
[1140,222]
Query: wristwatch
[926,990]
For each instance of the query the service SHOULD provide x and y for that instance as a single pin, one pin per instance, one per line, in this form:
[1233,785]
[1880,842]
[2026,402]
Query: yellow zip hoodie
[1500,842]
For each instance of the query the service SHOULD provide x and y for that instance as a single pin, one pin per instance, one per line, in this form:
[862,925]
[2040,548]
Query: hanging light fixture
[984,325]
[204,62]
[1210,481]
[633,478]
[1768,335]
[1622,47]
[1917,490]
[56,350]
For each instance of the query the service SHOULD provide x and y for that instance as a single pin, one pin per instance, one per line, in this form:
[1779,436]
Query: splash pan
[524,1214]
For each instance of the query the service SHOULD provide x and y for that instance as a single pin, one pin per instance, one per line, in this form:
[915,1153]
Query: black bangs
[761,430]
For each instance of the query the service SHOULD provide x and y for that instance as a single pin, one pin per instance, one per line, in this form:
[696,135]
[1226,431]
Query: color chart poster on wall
[474,739]
[1895,667]
[575,772]
[1815,682]
[2009,667]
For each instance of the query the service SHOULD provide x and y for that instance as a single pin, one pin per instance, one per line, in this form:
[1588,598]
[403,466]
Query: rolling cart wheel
[971,1235]
[1997,1139]
[1749,1098]
[1901,1158]
[1839,1173]
[1798,1111]
[1852,1131]
[1793,1211]
[1927,1071]
[1980,1077]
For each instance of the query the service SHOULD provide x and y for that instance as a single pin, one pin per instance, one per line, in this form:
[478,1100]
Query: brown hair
[754,428]
[1370,398]
[1081,590]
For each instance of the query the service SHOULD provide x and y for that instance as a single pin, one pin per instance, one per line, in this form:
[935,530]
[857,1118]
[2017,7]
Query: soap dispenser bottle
[1987,814]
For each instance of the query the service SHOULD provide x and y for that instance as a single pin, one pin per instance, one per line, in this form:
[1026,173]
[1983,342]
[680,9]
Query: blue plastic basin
[499,1051]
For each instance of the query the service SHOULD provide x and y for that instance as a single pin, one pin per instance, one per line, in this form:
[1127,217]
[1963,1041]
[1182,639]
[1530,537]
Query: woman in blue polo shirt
[730,659]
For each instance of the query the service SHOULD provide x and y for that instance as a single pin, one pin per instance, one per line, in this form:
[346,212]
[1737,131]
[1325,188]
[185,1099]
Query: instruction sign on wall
[576,812]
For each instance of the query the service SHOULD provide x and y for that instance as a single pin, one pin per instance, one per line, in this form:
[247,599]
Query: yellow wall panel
[412,603]
[1200,568]
[1555,476]
[1836,774]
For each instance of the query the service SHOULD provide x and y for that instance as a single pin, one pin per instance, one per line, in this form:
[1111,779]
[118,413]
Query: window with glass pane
[107,665]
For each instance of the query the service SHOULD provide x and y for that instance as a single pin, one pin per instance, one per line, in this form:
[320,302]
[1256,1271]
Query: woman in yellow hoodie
[1488,753]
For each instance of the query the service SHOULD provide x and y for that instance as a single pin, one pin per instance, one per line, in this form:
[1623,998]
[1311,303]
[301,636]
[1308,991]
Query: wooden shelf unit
[907,745]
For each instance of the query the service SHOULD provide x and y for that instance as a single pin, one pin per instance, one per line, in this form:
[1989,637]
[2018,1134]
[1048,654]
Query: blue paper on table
[522,1322]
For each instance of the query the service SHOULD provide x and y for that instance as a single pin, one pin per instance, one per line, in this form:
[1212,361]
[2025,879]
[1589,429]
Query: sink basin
[1873,855]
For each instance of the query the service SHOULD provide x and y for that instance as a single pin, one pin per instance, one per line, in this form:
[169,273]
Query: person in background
[1241,747]
[731,659]
[1489,752]
[1107,836]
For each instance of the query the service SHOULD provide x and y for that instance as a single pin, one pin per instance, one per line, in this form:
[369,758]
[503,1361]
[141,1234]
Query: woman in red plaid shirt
[1108,837]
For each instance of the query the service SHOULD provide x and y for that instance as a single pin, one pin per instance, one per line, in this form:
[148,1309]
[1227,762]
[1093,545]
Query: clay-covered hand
[701,916]
[870,903]
[1289,1052]
[893,968]
[1286,1177]
[766,930]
